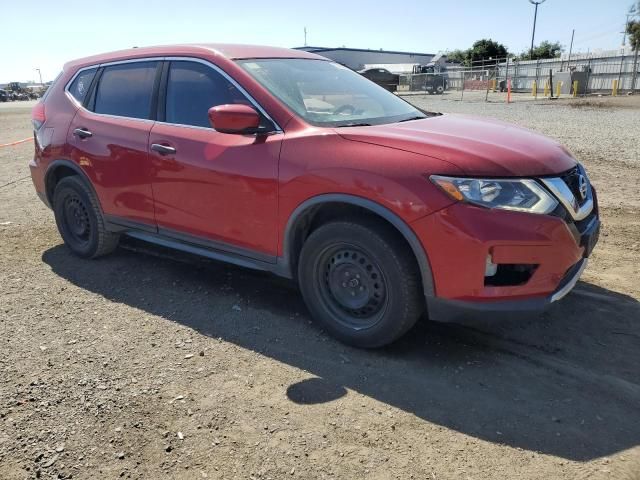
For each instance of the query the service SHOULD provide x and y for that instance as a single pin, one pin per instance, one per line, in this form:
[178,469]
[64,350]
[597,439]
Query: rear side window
[126,90]
[80,86]
[192,89]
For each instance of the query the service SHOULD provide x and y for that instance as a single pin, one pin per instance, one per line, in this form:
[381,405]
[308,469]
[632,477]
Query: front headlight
[521,195]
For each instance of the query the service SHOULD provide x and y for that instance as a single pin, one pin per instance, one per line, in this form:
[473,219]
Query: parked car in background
[4,95]
[382,77]
[284,161]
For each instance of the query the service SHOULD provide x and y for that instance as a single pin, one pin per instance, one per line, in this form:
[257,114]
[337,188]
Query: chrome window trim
[231,80]
[73,79]
[228,77]
[561,191]
[107,64]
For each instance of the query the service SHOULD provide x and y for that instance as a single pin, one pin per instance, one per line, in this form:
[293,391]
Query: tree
[484,49]
[459,56]
[546,49]
[633,30]
[633,26]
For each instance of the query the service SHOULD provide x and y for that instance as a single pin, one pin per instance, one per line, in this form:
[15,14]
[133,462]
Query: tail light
[37,116]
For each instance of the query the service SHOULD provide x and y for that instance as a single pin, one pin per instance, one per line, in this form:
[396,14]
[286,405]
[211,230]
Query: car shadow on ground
[565,383]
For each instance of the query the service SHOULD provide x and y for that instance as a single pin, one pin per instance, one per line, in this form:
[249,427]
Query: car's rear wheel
[360,281]
[79,219]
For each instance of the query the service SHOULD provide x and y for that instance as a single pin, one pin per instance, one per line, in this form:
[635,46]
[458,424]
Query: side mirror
[234,118]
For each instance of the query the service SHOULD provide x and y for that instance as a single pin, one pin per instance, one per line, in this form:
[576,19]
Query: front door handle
[82,133]
[163,149]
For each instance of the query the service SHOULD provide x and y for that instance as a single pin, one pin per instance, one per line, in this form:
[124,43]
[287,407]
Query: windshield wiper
[354,125]
[412,118]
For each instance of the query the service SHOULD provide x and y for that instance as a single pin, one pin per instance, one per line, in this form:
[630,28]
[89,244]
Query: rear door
[210,188]
[108,138]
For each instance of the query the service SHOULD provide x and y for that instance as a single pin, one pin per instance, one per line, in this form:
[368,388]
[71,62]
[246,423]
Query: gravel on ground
[150,364]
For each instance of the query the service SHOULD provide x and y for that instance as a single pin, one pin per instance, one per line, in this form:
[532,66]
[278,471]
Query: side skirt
[199,246]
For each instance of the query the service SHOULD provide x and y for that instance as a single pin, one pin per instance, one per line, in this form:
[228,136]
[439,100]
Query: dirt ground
[151,365]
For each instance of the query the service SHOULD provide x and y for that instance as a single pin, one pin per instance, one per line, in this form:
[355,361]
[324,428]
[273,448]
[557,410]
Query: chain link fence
[495,80]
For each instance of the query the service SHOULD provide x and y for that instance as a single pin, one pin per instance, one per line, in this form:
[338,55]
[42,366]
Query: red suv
[281,160]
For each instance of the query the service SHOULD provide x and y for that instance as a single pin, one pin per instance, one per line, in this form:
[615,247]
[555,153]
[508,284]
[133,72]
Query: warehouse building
[358,58]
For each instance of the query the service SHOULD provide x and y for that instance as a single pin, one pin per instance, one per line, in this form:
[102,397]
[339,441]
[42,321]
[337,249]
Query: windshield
[327,94]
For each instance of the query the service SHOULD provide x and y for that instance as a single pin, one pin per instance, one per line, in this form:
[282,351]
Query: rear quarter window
[126,90]
[80,86]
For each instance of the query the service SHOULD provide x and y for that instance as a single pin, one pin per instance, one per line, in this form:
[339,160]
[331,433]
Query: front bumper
[459,238]
[444,310]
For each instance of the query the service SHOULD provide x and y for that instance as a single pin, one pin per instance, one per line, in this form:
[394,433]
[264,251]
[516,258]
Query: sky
[57,31]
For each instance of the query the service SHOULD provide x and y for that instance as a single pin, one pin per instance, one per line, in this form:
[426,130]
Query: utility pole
[573,32]
[305,36]
[535,18]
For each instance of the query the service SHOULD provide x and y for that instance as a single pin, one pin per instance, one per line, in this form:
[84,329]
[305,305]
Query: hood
[478,146]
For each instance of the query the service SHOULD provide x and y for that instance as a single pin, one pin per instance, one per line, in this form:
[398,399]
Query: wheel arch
[300,220]
[57,170]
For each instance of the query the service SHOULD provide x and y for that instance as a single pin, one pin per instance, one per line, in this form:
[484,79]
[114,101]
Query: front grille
[572,180]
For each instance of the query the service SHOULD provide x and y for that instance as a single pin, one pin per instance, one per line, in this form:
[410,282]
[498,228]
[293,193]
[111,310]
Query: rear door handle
[163,149]
[82,133]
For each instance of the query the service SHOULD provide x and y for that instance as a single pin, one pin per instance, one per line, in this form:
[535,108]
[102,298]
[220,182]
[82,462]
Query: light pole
[40,74]
[535,17]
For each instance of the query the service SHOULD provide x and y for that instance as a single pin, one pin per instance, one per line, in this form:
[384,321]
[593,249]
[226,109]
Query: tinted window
[80,86]
[192,89]
[126,90]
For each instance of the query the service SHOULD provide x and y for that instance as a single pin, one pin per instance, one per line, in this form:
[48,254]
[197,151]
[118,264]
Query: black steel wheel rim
[352,285]
[76,219]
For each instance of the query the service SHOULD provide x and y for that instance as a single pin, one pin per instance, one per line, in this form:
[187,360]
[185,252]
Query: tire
[361,282]
[80,221]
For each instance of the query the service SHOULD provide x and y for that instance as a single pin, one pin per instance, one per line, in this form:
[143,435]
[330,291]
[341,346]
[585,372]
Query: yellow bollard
[546,88]
[493,85]
[614,90]
[575,88]
[534,89]
[558,88]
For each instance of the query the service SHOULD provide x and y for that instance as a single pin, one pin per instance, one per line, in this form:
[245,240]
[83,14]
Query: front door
[212,188]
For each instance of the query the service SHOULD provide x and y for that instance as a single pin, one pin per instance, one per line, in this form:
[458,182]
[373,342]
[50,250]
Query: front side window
[80,86]
[126,90]
[327,94]
[192,89]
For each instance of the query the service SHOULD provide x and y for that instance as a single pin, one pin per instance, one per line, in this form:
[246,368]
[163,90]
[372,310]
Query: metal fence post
[620,71]
[537,73]
[486,96]
[506,73]
[586,87]
[634,77]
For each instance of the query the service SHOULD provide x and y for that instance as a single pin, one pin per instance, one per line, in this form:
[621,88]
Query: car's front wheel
[361,282]
[79,219]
